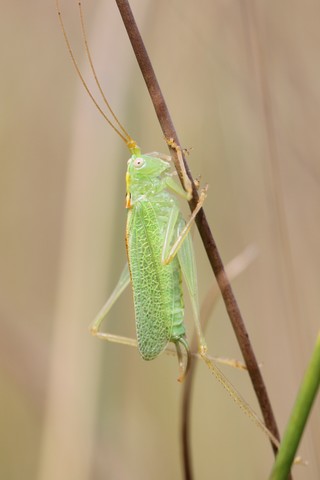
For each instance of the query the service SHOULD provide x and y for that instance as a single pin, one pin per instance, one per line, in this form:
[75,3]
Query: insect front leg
[185,179]
[160,155]
[167,257]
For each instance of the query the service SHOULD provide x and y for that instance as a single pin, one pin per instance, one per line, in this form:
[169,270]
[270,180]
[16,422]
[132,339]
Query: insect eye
[139,162]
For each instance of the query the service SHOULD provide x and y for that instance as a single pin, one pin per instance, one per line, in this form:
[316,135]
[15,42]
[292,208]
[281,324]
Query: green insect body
[160,253]
[157,288]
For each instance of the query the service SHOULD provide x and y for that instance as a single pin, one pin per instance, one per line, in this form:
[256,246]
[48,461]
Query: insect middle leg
[185,179]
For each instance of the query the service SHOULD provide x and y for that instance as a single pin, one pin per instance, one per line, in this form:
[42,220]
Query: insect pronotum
[159,251]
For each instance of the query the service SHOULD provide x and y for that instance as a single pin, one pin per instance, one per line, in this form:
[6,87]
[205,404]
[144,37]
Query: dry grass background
[242,83]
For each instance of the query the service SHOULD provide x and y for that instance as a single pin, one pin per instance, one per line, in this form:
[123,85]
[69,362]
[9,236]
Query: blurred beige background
[242,82]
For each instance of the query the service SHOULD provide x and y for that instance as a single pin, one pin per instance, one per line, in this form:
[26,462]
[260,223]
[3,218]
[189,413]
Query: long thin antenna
[85,40]
[123,134]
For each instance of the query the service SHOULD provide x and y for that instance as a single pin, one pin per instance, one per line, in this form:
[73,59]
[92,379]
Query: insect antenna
[85,40]
[116,125]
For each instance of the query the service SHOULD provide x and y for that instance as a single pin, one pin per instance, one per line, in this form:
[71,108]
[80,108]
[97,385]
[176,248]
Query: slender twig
[203,227]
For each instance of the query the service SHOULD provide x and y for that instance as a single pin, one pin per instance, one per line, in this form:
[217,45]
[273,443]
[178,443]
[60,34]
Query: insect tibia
[235,395]
[183,365]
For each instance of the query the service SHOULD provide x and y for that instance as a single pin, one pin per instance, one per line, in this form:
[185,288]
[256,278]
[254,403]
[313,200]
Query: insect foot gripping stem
[197,181]
[183,367]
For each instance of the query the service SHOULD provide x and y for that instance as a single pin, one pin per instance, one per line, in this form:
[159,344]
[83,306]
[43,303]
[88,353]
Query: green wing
[152,283]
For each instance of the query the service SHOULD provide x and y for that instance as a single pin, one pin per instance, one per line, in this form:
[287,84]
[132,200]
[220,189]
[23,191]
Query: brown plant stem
[201,221]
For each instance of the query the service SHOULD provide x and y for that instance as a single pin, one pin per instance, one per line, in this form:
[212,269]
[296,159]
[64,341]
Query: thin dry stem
[203,227]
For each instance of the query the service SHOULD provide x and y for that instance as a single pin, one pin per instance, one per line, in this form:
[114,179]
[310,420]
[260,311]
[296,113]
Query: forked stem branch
[202,224]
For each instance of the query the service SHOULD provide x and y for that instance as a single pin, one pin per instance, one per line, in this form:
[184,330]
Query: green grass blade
[298,419]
